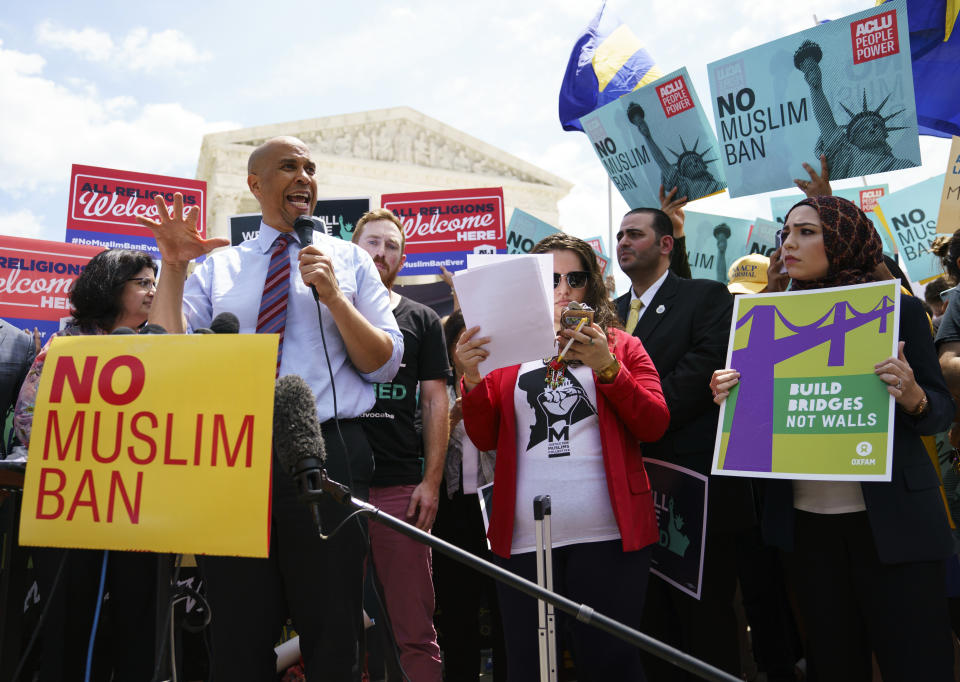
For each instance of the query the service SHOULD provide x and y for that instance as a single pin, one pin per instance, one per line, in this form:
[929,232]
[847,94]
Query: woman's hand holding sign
[722,382]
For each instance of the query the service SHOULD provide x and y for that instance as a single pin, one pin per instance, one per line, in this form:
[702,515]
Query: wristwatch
[609,373]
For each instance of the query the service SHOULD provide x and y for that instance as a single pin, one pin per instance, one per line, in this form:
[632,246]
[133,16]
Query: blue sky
[136,85]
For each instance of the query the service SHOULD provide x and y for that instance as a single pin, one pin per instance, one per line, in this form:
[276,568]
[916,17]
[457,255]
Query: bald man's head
[258,155]
[280,173]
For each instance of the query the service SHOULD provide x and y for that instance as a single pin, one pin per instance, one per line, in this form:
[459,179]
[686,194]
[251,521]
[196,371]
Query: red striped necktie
[273,303]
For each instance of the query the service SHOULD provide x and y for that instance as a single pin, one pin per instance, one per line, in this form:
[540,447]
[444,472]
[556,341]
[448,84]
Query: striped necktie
[634,315]
[273,303]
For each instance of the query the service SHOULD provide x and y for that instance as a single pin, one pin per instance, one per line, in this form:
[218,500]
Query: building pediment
[399,135]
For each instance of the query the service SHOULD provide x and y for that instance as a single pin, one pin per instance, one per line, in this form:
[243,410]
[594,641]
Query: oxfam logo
[864,449]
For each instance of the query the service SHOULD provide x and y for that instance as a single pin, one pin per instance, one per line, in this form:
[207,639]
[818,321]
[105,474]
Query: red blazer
[630,409]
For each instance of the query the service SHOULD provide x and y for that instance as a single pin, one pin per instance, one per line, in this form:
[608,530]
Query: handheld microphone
[304,227]
[297,439]
[122,331]
[150,328]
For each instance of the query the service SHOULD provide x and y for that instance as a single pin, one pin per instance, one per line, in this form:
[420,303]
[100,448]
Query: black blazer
[685,330]
[907,514]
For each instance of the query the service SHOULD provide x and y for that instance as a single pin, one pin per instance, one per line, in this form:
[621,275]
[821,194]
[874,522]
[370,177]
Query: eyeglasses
[576,279]
[145,283]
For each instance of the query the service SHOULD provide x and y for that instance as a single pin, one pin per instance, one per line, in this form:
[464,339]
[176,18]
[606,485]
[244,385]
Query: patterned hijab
[850,240]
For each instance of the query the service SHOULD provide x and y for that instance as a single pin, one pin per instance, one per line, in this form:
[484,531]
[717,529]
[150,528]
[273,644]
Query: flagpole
[610,216]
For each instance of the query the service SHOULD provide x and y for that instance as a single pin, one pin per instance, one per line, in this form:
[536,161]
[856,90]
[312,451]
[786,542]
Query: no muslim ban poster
[123,457]
[843,88]
[808,405]
[657,135]
[910,215]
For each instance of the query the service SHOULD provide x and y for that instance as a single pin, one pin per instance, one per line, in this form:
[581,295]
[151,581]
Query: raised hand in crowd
[177,235]
[673,205]
[447,277]
[817,185]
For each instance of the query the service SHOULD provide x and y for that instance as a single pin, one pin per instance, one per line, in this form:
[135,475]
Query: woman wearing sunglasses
[570,429]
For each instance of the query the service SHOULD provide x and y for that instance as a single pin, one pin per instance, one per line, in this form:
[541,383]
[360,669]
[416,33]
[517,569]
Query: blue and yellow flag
[935,51]
[607,61]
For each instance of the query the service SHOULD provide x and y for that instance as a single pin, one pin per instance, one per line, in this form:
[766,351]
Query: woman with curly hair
[114,290]
[571,428]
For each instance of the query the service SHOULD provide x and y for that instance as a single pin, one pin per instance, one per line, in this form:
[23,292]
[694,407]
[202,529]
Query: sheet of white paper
[544,261]
[508,300]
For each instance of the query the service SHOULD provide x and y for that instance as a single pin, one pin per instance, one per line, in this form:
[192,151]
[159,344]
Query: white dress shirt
[648,294]
[232,280]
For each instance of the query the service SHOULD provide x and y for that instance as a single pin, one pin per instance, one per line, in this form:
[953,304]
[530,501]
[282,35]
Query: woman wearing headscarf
[114,290]
[868,556]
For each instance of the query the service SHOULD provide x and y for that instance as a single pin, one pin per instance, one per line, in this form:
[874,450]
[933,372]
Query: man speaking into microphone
[270,284]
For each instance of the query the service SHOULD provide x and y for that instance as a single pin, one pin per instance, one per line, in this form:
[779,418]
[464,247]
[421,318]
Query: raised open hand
[177,236]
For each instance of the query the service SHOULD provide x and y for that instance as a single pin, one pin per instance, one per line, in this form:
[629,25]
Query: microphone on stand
[150,328]
[224,323]
[297,438]
[304,227]
[122,331]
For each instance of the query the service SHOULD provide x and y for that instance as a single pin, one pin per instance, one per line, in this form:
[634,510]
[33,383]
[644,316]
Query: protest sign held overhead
[104,205]
[809,405]
[36,277]
[442,226]
[865,197]
[843,88]
[910,215]
[657,135]
[525,230]
[762,238]
[948,220]
[713,243]
[122,457]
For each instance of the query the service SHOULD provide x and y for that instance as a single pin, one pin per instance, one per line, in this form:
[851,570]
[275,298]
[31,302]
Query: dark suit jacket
[685,330]
[907,515]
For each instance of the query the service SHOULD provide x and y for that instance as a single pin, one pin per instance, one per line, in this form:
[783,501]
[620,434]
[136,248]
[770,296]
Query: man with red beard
[408,464]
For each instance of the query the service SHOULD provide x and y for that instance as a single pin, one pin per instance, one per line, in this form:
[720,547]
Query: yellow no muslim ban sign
[154,443]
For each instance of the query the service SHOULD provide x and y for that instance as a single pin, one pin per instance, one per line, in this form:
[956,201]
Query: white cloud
[139,50]
[89,43]
[23,223]
[46,126]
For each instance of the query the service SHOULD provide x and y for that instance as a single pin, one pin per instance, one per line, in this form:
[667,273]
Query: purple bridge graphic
[750,447]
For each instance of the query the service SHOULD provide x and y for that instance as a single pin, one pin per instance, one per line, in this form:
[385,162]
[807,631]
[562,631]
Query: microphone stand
[583,613]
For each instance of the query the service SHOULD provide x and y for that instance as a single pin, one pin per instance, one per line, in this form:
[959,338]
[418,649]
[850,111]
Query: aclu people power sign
[808,405]
[442,226]
[843,88]
[657,135]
